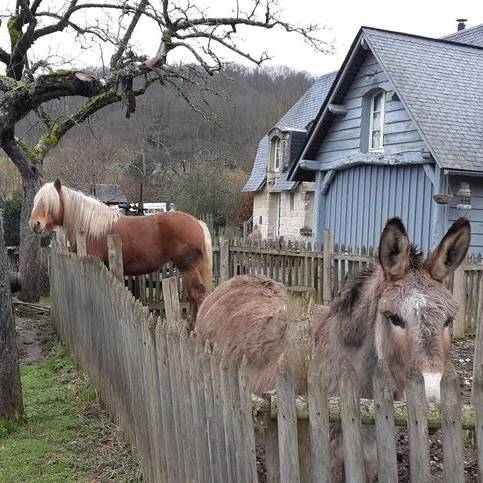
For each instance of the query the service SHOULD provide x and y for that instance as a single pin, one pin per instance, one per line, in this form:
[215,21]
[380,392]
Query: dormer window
[277,153]
[376,120]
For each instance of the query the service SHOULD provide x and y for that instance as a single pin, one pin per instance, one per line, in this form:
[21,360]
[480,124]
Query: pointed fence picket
[188,411]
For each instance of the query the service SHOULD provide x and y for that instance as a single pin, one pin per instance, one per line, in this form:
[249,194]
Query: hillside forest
[195,151]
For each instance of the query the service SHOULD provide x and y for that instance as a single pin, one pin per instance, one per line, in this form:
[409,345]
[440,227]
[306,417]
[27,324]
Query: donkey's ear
[394,249]
[58,185]
[451,251]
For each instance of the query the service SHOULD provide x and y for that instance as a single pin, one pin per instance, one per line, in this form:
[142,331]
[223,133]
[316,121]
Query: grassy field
[65,437]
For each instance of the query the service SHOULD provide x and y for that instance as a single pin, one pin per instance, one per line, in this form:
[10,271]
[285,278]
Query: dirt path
[29,345]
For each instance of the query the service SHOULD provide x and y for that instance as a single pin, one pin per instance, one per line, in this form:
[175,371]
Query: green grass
[45,300]
[57,441]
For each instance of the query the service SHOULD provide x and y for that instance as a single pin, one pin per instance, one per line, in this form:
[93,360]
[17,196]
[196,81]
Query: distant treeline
[193,144]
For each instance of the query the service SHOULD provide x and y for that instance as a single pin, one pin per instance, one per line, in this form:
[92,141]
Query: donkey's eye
[397,321]
[449,322]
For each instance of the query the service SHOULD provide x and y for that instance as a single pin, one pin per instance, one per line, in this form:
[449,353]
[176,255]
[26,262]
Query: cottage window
[376,119]
[277,153]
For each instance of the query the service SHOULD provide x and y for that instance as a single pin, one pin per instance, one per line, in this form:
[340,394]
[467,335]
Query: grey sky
[342,19]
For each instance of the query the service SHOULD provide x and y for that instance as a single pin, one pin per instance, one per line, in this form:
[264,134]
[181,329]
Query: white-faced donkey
[398,310]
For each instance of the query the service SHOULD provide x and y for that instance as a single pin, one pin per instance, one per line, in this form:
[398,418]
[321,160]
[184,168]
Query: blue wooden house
[399,133]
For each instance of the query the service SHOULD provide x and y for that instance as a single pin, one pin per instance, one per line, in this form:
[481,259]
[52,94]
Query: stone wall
[295,212]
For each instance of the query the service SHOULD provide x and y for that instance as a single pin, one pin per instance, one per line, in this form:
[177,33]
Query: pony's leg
[195,290]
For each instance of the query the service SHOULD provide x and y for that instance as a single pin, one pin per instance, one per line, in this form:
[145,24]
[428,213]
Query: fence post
[114,250]
[80,242]
[300,347]
[300,306]
[327,251]
[224,260]
[459,295]
[477,356]
[287,423]
[171,300]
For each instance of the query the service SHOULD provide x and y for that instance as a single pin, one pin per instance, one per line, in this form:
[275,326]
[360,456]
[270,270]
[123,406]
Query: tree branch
[127,36]
[4,57]
[16,154]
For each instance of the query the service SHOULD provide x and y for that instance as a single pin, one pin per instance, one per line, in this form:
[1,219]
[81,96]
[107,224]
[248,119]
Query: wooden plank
[287,424]
[249,449]
[319,422]
[271,446]
[385,429]
[171,300]
[224,260]
[166,403]
[351,425]
[186,406]
[478,403]
[218,413]
[478,354]
[114,250]
[215,466]
[228,417]
[80,242]
[454,469]
[173,354]
[417,429]
[202,422]
[459,295]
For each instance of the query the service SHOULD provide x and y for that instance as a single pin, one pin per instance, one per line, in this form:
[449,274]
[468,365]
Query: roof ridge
[461,32]
[422,37]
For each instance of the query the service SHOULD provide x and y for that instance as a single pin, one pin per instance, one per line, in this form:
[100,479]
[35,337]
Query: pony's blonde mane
[81,213]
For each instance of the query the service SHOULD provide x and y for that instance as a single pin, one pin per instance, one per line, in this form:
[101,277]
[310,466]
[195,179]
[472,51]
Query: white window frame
[277,153]
[371,120]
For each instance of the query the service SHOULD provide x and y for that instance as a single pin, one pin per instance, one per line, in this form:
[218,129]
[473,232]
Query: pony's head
[415,309]
[56,206]
[47,212]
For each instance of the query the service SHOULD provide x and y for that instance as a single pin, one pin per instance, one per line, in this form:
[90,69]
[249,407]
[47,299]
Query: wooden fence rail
[326,271]
[189,412]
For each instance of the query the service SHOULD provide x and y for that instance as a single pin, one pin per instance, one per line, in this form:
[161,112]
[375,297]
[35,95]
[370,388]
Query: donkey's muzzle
[432,385]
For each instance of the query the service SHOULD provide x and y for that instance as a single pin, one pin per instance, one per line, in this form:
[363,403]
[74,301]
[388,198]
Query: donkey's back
[247,316]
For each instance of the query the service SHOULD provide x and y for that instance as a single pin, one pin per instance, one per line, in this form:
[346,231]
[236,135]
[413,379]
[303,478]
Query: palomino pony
[398,310]
[148,242]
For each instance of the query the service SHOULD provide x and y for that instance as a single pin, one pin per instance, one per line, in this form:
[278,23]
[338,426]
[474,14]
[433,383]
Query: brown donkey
[398,310]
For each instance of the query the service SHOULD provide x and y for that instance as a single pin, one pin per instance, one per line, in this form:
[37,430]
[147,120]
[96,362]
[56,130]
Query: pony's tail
[207,272]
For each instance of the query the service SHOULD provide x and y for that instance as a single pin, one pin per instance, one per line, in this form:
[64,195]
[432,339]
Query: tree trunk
[29,252]
[11,404]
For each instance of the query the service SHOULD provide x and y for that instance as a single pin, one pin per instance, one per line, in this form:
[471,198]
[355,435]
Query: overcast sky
[341,18]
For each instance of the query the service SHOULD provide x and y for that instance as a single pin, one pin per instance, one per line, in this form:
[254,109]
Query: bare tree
[31,80]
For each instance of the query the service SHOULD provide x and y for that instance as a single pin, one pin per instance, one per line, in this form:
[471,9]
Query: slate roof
[472,35]
[441,85]
[297,117]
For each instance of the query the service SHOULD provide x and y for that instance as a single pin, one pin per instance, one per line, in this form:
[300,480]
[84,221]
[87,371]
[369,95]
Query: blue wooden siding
[475,215]
[343,136]
[361,199]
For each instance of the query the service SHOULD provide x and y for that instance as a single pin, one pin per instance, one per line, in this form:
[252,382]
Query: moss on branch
[14,30]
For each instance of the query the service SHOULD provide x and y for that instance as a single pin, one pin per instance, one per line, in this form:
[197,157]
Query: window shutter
[365,122]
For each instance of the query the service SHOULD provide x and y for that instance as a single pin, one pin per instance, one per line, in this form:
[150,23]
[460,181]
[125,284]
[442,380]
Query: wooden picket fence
[188,411]
[299,264]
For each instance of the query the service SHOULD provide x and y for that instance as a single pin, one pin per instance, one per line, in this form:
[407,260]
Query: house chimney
[461,23]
